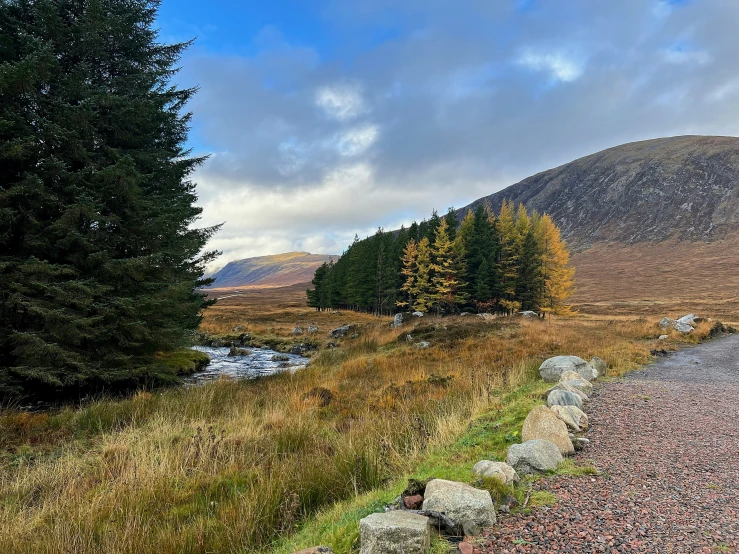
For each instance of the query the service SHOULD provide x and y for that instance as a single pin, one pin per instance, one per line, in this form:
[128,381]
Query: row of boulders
[311,330]
[459,509]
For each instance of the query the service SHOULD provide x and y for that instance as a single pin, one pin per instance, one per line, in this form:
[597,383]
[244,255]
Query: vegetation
[257,466]
[98,257]
[511,261]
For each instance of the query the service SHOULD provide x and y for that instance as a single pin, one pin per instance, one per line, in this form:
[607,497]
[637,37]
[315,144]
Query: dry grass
[232,466]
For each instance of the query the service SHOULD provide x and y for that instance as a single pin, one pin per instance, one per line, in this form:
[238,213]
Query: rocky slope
[684,188]
[276,271]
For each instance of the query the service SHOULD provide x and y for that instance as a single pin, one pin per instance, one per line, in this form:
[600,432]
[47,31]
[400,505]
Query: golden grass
[234,466]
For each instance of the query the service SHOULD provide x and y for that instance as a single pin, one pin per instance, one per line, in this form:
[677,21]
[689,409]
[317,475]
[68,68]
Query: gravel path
[666,441]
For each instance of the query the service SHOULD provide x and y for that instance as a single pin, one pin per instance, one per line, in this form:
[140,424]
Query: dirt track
[666,442]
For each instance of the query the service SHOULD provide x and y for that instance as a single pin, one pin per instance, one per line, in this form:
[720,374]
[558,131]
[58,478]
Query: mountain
[653,225]
[276,271]
[684,188]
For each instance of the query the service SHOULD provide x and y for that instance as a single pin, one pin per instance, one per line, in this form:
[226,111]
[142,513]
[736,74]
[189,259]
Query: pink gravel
[666,442]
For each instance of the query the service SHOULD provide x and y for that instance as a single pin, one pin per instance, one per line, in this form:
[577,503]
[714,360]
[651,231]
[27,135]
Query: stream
[259,363]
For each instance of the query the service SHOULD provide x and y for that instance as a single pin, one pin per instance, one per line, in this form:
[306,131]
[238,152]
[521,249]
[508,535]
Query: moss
[182,362]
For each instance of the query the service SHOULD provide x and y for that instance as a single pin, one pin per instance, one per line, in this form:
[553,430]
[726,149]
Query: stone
[666,323]
[562,385]
[495,470]
[528,313]
[681,327]
[265,347]
[397,321]
[234,352]
[564,398]
[316,550]
[569,375]
[689,319]
[422,344]
[313,329]
[395,532]
[466,506]
[465,548]
[572,416]
[413,502]
[600,367]
[340,332]
[417,314]
[580,443]
[552,368]
[543,423]
[664,337]
[297,331]
[583,385]
[535,456]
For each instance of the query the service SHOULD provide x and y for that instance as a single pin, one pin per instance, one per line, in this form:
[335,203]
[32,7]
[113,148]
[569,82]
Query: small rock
[413,502]
[354,336]
[528,313]
[395,532]
[422,344]
[312,329]
[340,332]
[496,470]
[235,352]
[297,331]
[600,367]
[552,368]
[664,337]
[467,506]
[573,417]
[397,320]
[543,423]
[316,550]
[564,398]
[465,548]
[464,314]
[264,347]
[535,456]
[417,314]
[666,323]
[330,345]
[580,443]
[280,358]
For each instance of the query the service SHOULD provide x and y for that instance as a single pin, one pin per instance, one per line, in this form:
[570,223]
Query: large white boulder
[535,456]
[395,532]
[552,368]
[466,506]
[496,470]
[543,423]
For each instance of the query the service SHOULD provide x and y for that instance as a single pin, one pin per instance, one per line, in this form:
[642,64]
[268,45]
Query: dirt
[666,443]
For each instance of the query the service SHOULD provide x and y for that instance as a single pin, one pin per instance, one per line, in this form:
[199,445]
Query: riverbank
[245,466]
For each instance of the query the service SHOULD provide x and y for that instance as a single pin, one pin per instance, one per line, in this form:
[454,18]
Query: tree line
[506,262]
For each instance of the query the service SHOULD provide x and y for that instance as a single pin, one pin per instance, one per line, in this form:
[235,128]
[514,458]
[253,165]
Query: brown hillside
[270,271]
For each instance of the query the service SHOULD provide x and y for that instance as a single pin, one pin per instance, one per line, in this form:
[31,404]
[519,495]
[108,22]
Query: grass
[265,466]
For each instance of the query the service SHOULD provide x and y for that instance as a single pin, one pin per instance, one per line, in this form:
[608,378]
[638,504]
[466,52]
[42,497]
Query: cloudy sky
[328,118]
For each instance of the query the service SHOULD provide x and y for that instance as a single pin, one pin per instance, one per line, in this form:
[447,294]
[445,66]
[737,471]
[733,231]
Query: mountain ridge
[275,270]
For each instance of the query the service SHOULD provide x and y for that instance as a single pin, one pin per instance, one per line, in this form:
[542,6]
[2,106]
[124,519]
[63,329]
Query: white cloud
[560,66]
[357,140]
[342,101]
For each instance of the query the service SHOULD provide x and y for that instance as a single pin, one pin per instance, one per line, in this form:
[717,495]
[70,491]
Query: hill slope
[277,270]
[681,187]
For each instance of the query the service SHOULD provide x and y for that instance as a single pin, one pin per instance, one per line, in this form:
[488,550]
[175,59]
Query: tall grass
[232,466]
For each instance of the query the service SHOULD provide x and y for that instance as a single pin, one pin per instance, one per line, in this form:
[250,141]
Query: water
[257,364]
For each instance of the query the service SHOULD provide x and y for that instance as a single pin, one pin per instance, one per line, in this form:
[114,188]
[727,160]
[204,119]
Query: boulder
[486,316]
[395,532]
[312,329]
[316,550]
[413,502]
[552,368]
[564,398]
[600,367]
[528,313]
[582,385]
[666,323]
[572,416]
[397,321]
[569,375]
[496,470]
[417,314]
[681,327]
[536,456]
[580,443]
[234,352]
[422,344]
[689,319]
[543,423]
[664,337]
[340,332]
[297,331]
[280,358]
[562,385]
[466,506]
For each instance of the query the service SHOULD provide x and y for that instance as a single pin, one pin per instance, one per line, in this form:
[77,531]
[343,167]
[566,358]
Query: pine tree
[423,287]
[99,260]
[316,296]
[444,289]
[530,285]
[452,223]
[509,254]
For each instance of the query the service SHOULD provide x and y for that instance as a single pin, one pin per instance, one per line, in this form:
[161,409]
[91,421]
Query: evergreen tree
[444,289]
[316,296]
[422,290]
[409,271]
[530,285]
[431,225]
[99,260]
[452,223]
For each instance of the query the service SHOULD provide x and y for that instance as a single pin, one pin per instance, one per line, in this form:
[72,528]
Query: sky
[324,119]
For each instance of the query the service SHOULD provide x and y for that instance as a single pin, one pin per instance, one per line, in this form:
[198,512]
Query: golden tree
[559,276]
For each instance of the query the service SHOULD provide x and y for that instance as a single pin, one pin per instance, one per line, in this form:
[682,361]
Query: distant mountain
[277,271]
[684,188]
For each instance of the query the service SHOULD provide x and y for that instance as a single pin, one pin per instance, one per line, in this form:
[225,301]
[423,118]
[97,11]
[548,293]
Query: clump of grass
[569,467]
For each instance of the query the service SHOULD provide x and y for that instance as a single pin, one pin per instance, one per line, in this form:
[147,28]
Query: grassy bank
[239,466]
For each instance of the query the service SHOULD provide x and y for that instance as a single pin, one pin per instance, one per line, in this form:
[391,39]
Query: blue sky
[330,118]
